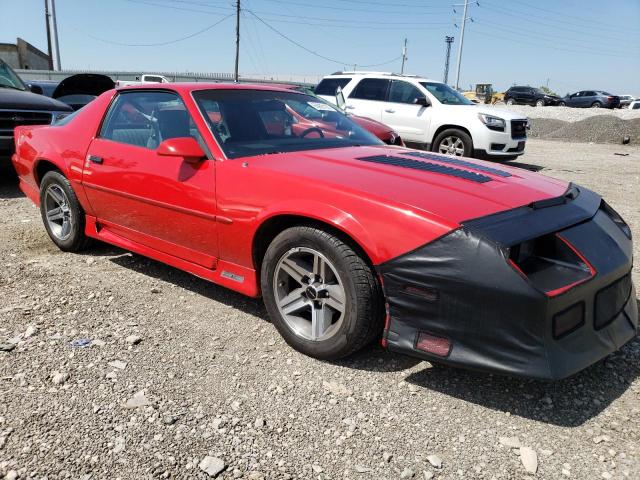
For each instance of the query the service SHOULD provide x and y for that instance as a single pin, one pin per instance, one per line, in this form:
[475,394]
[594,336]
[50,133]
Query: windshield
[9,79]
[260,122]
[445,94]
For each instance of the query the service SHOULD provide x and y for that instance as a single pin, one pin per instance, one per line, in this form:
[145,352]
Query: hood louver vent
[459,163]
[426,167]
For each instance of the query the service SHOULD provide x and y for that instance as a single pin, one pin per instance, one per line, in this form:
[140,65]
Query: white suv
[429,114]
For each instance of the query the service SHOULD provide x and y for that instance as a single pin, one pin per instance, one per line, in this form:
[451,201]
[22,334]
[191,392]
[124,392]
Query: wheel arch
[273,225]
[42,166]
[448,126]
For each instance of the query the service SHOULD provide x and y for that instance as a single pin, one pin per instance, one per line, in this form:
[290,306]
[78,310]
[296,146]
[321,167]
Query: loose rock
[529,459]
[212,466]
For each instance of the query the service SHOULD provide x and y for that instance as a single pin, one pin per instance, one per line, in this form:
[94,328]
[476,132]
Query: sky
[568,45]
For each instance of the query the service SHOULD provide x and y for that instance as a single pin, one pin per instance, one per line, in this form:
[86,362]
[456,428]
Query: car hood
[23,100]
[83,83]
[371,125]
[489,110]
[450,197]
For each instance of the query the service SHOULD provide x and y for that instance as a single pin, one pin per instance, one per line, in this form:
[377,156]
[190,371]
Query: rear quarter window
[371,89]
[329,86]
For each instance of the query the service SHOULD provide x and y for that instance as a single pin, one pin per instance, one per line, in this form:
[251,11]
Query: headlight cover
[492,123]
[616,218]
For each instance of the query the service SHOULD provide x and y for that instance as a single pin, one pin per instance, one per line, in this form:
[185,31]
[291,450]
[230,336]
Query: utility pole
[448,40]
[47,21]
[404,56]
[237,39]
[464,23]
[54,23]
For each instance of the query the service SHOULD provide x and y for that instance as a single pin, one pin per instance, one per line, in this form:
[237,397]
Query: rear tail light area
[551,264]
[616,218]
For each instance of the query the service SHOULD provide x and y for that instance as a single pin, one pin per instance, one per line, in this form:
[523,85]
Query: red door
[158,201]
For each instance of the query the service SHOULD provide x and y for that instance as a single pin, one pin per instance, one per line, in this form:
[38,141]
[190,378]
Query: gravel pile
[596,129]
[113,366]
[595,125]
[568,114]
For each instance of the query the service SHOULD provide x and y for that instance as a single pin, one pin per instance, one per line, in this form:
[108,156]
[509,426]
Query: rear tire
[453,142]
[596,105]
[62,214]
[320,294]
[562,104]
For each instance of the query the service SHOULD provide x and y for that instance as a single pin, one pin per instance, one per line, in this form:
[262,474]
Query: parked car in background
[347,240]
[43,87]
[591,99]
[20,106]
[635,105]
[145,78]
[429,114]
[379,129]
[529,96]
[78,90]
[625,100]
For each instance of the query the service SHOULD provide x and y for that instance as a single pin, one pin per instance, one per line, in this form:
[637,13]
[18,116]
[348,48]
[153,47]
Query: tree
[547,90]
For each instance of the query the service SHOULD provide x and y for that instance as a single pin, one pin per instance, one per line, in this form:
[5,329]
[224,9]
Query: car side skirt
[230,275]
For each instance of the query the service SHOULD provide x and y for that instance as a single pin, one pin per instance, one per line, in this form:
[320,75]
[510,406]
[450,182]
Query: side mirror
[185,147]
[36,89]
[422,101]
[340,101]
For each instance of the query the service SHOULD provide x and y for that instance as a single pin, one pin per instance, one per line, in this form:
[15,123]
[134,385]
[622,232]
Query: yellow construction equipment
[484,94]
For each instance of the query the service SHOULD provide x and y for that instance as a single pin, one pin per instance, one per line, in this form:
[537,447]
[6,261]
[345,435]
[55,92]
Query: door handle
[390,110]
[96,159]
[350,107]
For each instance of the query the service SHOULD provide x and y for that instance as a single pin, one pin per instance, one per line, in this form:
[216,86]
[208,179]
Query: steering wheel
[311,130]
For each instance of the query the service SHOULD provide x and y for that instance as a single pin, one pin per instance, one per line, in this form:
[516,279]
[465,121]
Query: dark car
[591,99]
[43,87]
[78,90]
[20,106]
[529,96]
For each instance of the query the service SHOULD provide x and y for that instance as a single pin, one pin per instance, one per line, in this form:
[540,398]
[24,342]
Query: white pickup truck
[143,79]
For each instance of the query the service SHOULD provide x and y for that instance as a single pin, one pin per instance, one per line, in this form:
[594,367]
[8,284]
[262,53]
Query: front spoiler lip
[496,320]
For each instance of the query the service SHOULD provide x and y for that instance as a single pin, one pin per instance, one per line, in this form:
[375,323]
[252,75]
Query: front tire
[320,294]
[540,103]
[511,101]
[562,104]
[453,142]
[61,212]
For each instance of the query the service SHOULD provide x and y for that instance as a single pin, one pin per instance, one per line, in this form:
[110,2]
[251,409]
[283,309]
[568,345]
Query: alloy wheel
[452,146]
[58,213]
[309,293]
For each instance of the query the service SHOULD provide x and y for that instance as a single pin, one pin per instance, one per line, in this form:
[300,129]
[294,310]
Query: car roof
[186,87]
[357,73]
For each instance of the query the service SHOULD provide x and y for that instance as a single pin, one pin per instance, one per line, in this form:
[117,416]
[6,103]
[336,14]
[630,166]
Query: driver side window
[403,92]
[145,119]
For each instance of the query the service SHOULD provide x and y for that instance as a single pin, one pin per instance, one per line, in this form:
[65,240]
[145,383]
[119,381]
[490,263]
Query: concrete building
[23,55]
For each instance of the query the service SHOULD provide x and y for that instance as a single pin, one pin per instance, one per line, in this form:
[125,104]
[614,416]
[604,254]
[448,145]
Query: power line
[554,47]
[299,45]
[168,42]
[546,37]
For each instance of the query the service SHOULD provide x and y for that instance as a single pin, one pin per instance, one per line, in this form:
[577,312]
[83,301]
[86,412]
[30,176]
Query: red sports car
[347,239]
[321,112]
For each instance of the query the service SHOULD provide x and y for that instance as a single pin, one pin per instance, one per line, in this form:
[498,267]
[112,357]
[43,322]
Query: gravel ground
[180,377]
[597,125]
